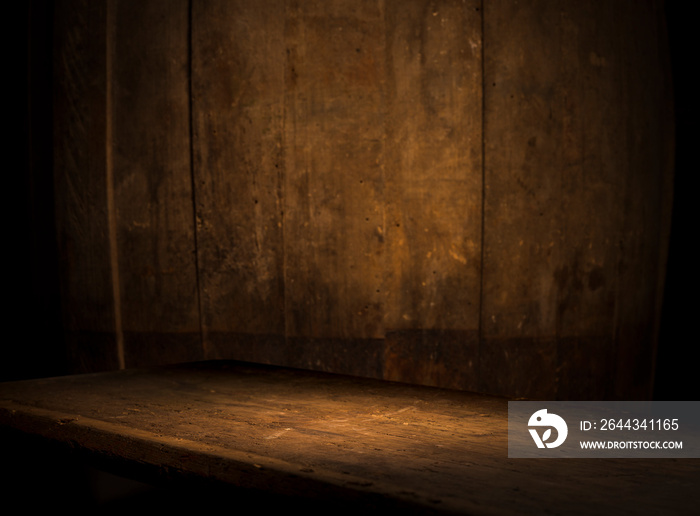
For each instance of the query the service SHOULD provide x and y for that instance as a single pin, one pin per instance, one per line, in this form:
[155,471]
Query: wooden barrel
[458,193]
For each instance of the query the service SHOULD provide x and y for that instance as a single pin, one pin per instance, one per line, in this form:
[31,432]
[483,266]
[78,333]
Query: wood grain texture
[649,151]
[423,191]
[433,187]
[330,441]
[238,71]
[152,182]
[532,119]
[334,138]
[561,168]
[433,165]
[81,187]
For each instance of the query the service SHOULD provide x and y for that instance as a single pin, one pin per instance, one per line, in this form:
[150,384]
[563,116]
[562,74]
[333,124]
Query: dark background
[676,376]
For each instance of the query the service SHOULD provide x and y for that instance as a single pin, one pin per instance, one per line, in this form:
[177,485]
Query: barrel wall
[467,194]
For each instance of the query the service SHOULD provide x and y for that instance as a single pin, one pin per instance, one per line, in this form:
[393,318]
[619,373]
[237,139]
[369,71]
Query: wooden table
[338,444]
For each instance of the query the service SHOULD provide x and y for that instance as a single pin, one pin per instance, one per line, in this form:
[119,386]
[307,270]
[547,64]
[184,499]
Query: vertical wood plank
[81,189]
[649,153]
[152,181]
[433,191]
[539,266]
[334,183]
[592,175]
[238,93]
[560,101]
[330,213]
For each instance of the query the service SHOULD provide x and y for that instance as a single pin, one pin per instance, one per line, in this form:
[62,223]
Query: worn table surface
[317,436]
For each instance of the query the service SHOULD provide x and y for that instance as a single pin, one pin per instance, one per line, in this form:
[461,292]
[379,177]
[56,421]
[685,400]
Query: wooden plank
[81,185]
[154,219]
[648,134]
[433,191]
[238,66]
[334,139]
[559,98]
[526,100]
[336,214]
[313,437]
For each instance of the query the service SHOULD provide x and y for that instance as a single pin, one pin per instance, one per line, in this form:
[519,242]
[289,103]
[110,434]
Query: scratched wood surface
[315,436]
[450,193]
[82,185]
[334,186]
[565,230]
[153,213]
[648,134]
[334,204]
[238,60]
[433,191]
